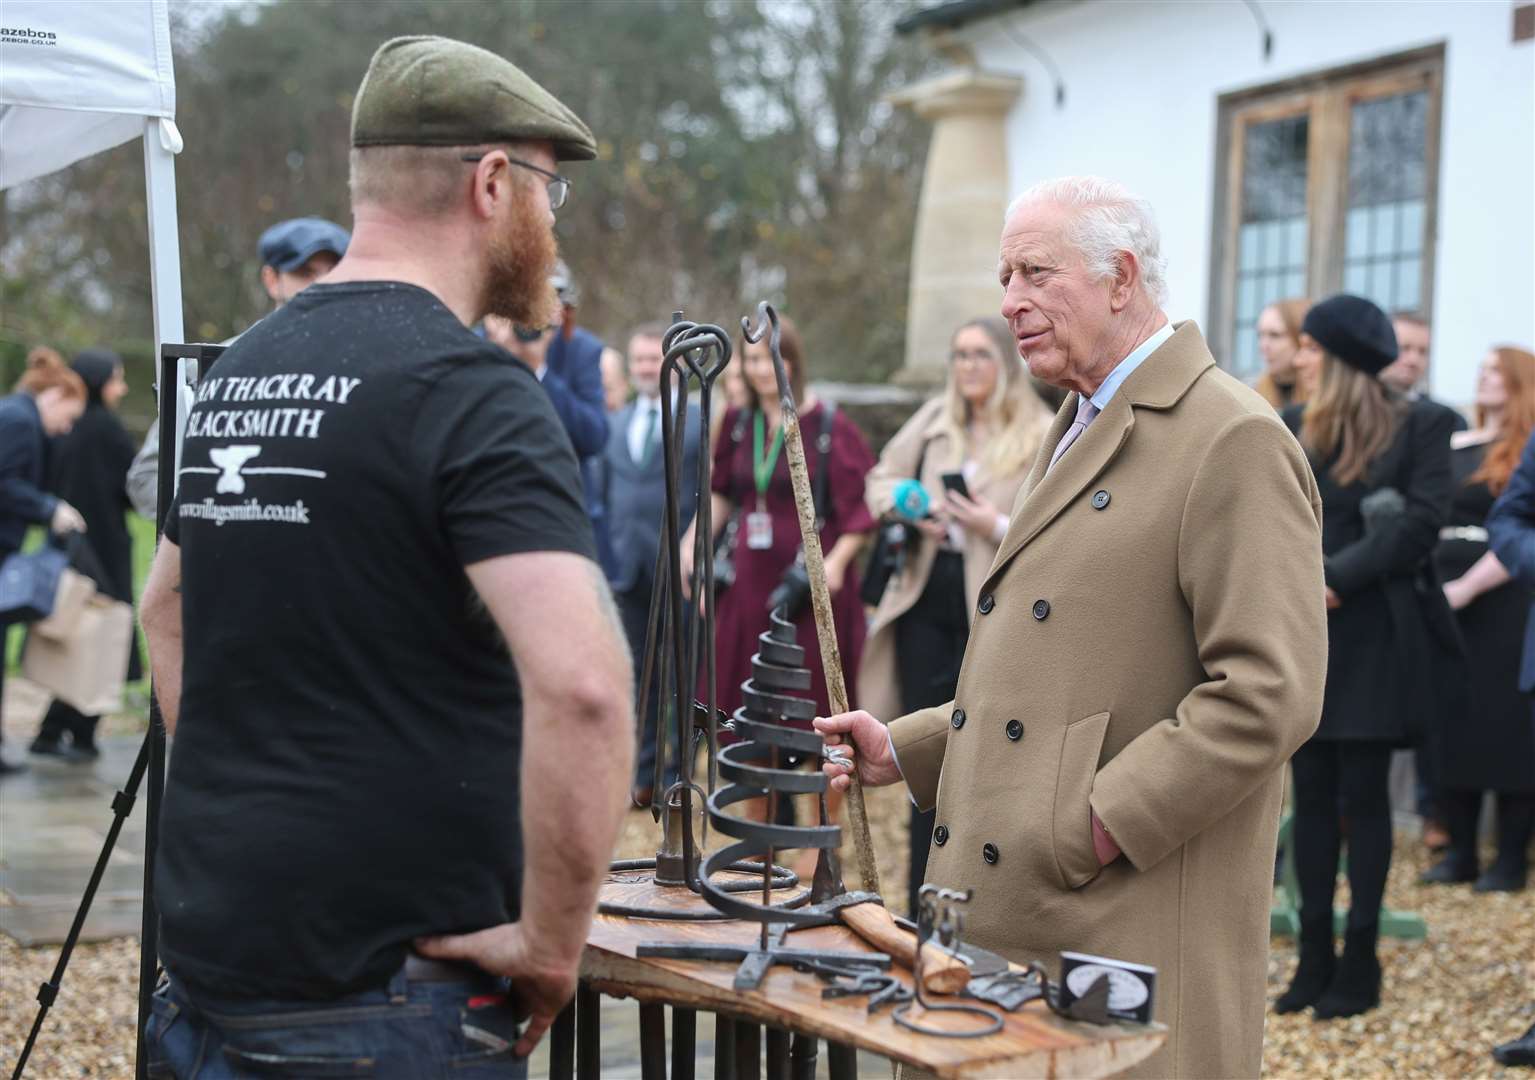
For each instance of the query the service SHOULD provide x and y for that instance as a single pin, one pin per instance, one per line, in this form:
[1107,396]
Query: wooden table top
[1033,1041]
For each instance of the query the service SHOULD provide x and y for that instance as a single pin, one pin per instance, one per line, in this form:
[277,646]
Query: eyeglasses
[559,187]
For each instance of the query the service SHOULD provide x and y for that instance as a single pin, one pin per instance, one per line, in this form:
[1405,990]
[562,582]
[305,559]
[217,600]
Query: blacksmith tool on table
[939,914]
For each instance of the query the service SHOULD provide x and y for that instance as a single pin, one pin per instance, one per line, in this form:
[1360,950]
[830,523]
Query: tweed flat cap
[1354,330]
[434,91]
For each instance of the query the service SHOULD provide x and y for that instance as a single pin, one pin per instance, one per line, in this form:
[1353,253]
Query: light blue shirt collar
[1129,364]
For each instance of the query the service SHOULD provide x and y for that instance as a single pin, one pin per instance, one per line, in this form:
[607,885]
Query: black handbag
[889,554]
[29,582]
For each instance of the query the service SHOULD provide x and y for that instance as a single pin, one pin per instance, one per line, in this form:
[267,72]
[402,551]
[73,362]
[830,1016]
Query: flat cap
[288,245]
[1354,330]
[434,91]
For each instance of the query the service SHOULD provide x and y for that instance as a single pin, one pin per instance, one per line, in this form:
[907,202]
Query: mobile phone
[955,482]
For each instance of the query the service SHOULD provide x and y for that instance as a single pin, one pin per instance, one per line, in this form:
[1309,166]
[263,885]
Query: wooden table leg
[748,1050]
[844,1061]
[652,1042]
[802,1056]
[777,1054]
[562,1044]
[684,1043]
[588,1033]
[724,1047]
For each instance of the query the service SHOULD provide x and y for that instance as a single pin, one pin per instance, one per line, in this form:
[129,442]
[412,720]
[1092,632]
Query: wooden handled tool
[820,595]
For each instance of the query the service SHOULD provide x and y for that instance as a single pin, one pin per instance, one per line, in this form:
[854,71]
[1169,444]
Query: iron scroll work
[772,743]
[680,646]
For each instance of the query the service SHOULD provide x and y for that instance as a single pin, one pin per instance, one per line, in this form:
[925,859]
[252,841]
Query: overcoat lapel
[1078,467]
[1158,383]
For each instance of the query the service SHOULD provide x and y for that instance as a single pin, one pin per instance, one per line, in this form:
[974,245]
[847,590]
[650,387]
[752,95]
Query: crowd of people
[1383,499]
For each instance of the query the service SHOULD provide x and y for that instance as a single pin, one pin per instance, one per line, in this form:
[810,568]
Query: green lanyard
[762,469]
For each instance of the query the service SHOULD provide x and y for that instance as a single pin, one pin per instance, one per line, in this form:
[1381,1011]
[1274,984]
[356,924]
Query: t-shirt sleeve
[504,477]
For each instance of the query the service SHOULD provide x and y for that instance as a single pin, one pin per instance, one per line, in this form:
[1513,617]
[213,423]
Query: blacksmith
[374,859]
[1147,652]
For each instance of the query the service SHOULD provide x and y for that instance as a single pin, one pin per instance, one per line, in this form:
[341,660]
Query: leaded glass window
[1271,242]
[1387,186]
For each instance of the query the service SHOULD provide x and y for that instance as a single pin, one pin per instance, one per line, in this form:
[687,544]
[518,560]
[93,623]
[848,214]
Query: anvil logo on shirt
[231,459]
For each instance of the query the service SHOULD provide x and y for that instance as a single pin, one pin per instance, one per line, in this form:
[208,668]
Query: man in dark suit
[634,500]
[568,361]
[1511,532]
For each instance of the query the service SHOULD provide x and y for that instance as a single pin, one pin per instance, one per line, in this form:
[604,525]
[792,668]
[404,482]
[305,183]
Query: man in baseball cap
[370,812]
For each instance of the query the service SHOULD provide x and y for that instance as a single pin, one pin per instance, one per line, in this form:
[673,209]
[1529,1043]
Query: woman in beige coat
[987,426]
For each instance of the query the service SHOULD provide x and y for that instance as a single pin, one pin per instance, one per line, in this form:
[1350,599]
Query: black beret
[1354,330]
[434,91]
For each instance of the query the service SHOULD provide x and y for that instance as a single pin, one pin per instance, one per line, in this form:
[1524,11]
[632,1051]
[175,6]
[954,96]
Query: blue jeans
[410,1030]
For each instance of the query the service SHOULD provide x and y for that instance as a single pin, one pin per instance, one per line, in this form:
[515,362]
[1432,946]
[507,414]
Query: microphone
[911,501]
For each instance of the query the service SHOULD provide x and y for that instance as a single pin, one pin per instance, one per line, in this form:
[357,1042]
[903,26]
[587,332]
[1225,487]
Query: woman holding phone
[969,449]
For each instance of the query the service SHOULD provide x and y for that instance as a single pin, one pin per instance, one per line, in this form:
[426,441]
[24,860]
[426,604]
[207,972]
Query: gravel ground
[1446,1000]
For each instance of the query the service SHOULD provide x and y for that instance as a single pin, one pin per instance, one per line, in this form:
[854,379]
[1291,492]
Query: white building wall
[1142,82]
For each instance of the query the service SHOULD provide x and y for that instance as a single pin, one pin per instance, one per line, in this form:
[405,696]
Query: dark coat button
[987,603]
[941,835]
[1100,499]
[1041,610]
[1015,730]
[990,853]
[958,719]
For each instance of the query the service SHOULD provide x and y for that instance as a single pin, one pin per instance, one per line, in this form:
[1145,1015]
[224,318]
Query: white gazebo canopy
[81,76]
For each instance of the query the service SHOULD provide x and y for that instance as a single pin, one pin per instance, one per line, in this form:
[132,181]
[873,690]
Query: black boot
[1500,877]
[1516,820]
[1520,1051]
[1355,986]
[1314,970]
[1456,868]
[49,745]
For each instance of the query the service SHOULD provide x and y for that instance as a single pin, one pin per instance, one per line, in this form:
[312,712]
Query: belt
[1474,533]
[423,969]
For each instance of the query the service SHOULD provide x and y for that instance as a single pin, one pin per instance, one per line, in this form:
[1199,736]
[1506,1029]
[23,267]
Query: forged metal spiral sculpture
[763,765]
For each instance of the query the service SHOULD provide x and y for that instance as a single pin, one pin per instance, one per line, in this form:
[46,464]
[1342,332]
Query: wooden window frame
[1328,97]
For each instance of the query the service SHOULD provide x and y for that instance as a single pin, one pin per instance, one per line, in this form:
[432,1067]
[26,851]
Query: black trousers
[929,647]
[1516,821]
[61,718]
[1341,797]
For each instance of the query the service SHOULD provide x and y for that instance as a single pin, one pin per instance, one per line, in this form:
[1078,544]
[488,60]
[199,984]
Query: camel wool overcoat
[924,441]
[1150,644]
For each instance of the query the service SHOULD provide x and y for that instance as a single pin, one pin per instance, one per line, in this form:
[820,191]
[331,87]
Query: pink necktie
[1086,410]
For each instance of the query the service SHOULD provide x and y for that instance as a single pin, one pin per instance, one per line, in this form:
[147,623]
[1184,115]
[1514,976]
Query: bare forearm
[575,783]
[165,667]
[577,758]
[847,547]
[1486,574]
[161,616]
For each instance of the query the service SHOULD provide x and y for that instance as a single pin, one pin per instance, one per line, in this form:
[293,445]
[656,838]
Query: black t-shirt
[345,770]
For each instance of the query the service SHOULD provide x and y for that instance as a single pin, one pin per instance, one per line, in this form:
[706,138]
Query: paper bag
[74,592]
[89,670]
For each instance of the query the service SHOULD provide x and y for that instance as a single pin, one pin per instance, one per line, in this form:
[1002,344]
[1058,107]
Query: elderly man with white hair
[1148,650]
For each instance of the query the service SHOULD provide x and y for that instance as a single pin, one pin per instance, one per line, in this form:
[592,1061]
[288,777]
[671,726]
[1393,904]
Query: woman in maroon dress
[751,474]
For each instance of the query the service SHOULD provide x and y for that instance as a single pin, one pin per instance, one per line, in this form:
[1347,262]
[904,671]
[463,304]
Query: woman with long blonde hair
[985,429]
[1278,342]
[1382,466]
[1488,744]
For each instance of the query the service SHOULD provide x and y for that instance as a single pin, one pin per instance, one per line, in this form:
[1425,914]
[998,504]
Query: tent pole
[165,293]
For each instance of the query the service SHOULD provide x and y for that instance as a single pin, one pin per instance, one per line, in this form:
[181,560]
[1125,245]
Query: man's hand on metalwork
[864,739]
[542,982]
